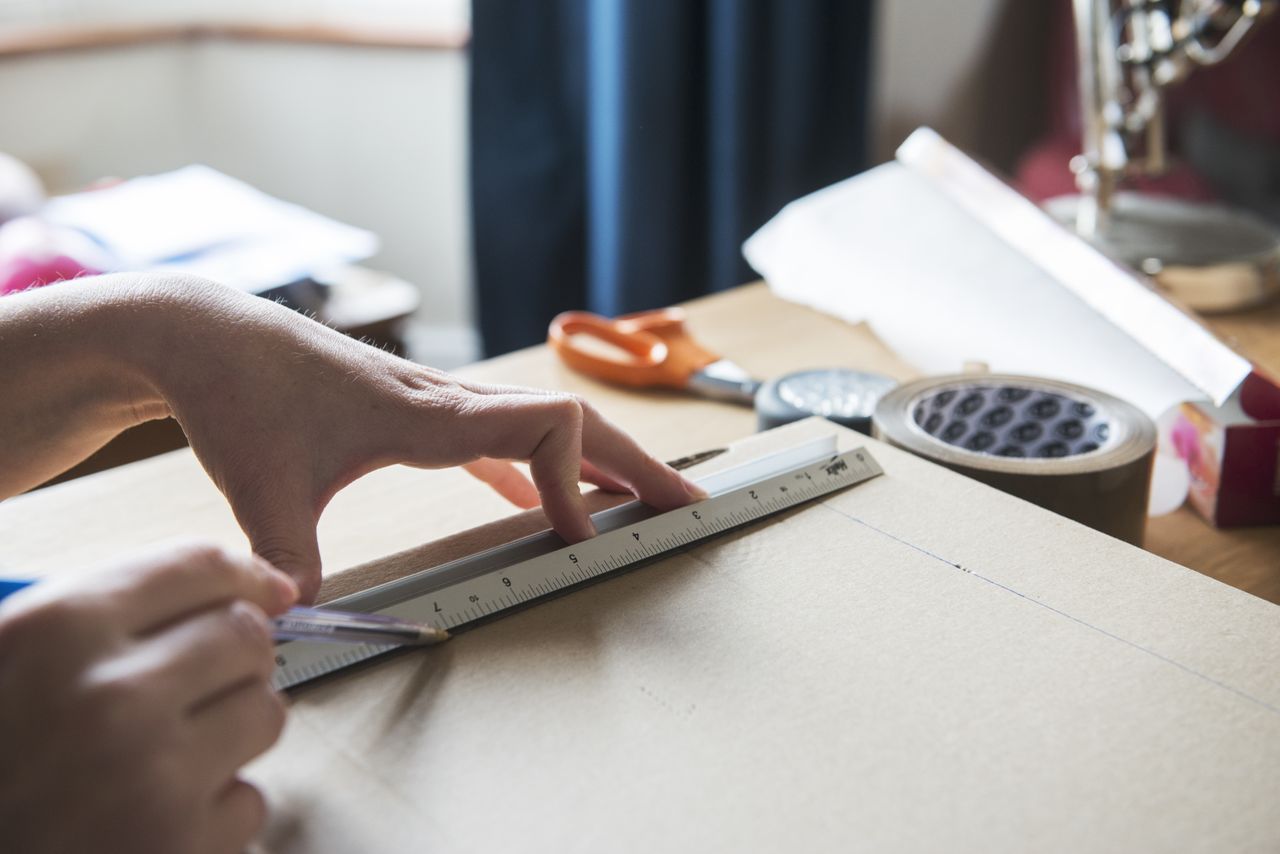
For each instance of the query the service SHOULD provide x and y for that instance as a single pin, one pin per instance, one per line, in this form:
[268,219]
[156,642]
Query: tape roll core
[1076,451]
[1013,421]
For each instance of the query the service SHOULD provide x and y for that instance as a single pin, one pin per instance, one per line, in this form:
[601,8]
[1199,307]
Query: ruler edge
[874,470]
[606,521]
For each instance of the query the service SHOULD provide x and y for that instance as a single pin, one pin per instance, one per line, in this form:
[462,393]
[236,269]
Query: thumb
[283,533]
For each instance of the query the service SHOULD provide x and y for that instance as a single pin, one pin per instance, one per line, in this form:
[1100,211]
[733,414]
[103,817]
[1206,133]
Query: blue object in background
[12,585]
[622,150]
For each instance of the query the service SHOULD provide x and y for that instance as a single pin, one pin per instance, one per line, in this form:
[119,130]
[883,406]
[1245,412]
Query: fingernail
[697,493]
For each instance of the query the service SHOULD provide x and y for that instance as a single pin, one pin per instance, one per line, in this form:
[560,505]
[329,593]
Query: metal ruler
[511,576]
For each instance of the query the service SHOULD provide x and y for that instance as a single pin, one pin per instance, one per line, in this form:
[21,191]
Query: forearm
[69,380]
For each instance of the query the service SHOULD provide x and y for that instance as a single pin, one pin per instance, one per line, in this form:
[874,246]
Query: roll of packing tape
[842,395]
[1078,452]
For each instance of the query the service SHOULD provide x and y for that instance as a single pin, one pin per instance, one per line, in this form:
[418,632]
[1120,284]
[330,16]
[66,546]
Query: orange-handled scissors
[651,349]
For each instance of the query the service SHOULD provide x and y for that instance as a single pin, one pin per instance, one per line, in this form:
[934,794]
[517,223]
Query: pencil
[322,624]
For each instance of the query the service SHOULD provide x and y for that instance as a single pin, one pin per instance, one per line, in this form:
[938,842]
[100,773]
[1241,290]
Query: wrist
[117,319]
[167,334]
[186,336]
[83,360]
[67,348]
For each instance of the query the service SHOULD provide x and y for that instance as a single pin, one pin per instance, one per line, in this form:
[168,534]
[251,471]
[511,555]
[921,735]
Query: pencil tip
[431,634]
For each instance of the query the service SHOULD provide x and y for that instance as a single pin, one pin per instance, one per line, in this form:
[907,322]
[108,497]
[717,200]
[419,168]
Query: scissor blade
[723,380]
[694,459]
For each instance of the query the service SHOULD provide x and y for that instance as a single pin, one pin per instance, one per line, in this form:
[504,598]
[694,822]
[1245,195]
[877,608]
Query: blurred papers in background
[196,220]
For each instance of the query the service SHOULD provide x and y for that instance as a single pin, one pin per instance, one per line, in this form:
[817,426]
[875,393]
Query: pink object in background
[20,274]
[34,253]
[1186,441]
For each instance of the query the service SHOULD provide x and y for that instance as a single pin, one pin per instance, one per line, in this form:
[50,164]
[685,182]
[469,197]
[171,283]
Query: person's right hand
[283,412]
[131,697]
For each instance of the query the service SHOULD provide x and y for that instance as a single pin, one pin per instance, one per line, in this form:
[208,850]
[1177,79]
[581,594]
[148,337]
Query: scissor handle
[656,348]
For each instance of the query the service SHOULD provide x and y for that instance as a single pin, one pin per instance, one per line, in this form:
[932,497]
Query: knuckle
[566,407]
[432,389]
[464,402]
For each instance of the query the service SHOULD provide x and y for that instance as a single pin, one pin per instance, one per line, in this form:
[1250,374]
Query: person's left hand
[131,697]
[284,412]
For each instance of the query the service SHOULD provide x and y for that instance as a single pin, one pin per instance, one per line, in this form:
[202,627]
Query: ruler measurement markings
[450,604]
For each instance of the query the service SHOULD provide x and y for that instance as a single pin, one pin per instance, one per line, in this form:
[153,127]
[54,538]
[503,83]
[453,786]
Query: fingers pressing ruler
[480,587]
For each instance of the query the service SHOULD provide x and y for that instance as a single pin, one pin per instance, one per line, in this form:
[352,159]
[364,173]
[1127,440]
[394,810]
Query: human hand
[284,412]
[130,697]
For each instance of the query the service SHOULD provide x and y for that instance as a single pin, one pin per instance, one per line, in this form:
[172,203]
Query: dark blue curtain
[622,150]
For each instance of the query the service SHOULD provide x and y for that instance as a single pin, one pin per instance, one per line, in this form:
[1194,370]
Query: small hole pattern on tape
[1012,421]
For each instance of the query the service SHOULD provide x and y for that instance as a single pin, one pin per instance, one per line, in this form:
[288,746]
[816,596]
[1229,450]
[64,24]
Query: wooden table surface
[87,520]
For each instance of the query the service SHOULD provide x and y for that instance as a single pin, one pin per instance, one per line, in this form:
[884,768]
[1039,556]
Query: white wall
[374,137]
[437,15]
[377,137]
[80,116]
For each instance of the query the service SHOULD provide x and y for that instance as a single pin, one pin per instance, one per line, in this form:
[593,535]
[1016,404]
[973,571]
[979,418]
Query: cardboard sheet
[919,663]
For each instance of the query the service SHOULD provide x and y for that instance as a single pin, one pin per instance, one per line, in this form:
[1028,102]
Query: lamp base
[1211,258]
